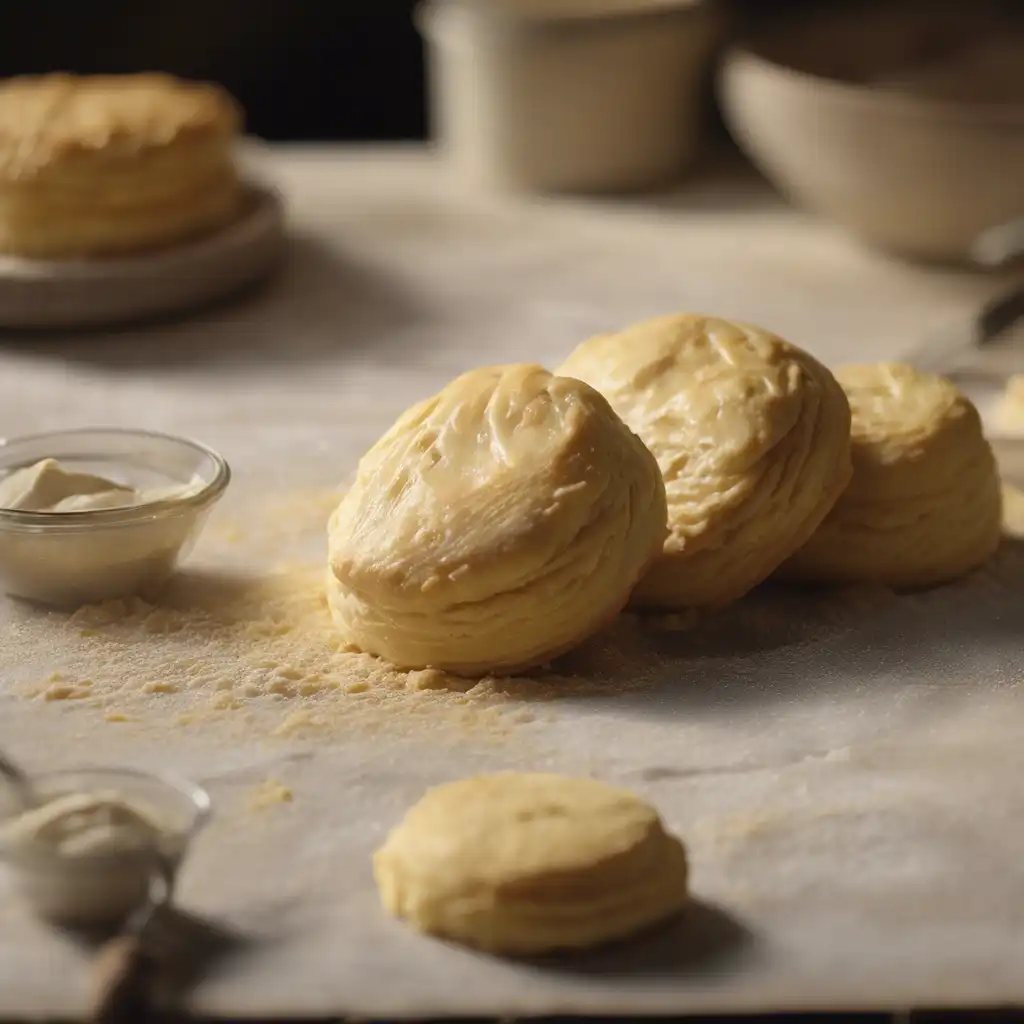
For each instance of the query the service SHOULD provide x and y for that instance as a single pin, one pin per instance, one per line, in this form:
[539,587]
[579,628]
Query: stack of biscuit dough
[507,518]
[674,466]
[113,165]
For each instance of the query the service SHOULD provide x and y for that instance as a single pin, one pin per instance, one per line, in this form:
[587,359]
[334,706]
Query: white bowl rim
[747,53]
[617,11]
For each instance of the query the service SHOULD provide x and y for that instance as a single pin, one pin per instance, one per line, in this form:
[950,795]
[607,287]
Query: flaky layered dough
[494,526]
[752,436]
[924,505]
[531,863]
[108,165]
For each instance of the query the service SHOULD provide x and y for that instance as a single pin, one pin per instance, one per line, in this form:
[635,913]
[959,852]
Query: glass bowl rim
[193,793]
[82,521]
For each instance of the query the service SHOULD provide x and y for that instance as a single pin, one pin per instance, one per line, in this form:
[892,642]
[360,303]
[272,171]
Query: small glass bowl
[67,559]
[101,890]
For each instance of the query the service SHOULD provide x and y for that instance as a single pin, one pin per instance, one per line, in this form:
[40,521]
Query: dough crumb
[65,691]
[269,794]
[160,687]
[297,722]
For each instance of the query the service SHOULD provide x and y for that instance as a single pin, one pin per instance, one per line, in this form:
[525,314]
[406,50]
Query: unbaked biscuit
[531,863]
[494,526]
[924,504]
[752,436]
[107,165]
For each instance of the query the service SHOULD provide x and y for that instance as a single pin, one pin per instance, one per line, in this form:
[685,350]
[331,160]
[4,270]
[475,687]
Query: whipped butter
[85,825]
[87,858]
[48,487]
[74,560]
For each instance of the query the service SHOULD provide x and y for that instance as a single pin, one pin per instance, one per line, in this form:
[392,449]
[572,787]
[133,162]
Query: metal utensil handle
[122,979]
[161,893]
[944,354]
[1001,314]
[127,965]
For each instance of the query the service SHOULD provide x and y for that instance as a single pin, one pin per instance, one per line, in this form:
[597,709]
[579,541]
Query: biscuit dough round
[494,526]
[107,165]
[924,506]
[752,436]
[531,863]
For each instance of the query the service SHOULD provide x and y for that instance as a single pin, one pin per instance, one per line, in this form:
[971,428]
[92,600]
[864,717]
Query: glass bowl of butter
[96,841]
[91,515]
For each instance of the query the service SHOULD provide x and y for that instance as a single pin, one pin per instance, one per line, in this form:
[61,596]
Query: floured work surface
[845,768]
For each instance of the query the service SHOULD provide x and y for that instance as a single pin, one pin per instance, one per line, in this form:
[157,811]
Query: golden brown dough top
[513,831]
[712,399]
[896,410]
[501,469]
[47,119]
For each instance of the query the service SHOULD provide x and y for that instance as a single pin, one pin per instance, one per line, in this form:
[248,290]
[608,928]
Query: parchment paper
[847,772]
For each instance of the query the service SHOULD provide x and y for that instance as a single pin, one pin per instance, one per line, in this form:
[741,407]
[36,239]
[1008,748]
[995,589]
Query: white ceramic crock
[583,96]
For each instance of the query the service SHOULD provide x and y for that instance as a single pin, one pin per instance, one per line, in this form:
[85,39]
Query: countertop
[847,774]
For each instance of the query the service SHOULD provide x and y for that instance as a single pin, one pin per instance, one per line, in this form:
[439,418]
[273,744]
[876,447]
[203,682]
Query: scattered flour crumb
[68,691]
[269,794]
[253,649]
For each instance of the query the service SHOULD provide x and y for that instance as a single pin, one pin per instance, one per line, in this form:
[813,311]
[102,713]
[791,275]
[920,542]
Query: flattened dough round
[494,526]
[924,505]
[752,436]
[531,863]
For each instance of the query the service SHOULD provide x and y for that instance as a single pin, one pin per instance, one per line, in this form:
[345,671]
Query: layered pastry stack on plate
[120,197]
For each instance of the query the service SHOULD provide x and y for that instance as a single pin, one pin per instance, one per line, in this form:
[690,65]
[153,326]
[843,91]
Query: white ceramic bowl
[66,559]
[822,111]
[569,96]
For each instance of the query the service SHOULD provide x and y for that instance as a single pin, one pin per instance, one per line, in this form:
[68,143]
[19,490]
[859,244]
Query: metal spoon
[998,247]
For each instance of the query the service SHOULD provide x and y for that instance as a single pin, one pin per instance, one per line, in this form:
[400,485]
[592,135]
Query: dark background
[303,69]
